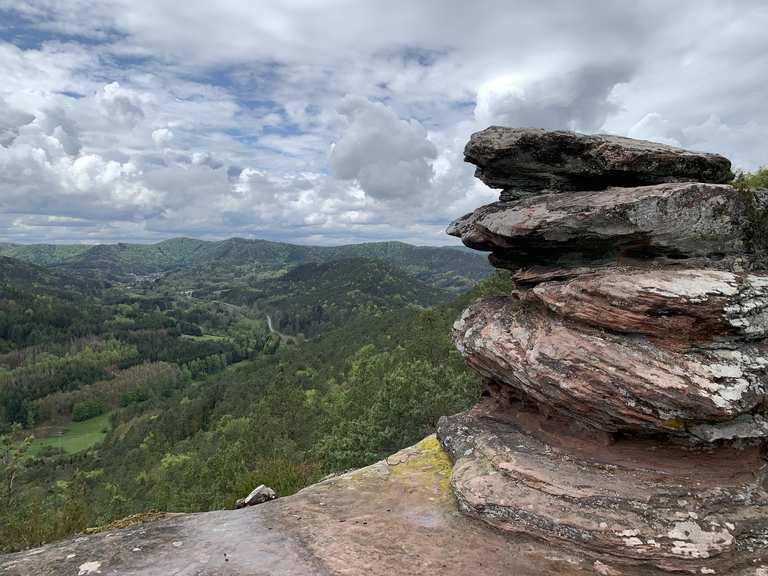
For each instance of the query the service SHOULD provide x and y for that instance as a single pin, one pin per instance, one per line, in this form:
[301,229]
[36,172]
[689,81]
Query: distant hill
[16,274]
[43,254]
[443,267]
[316,296]
[38,305]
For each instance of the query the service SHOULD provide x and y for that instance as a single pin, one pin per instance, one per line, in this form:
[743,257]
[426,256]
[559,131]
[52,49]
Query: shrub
[757,213]
[752,180]
[135,396]
[86,410]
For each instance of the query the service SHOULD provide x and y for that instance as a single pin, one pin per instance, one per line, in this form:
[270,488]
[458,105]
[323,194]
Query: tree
[11,463]
[752,180]
[86,410]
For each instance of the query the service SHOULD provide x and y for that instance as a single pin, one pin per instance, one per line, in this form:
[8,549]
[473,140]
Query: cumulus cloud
[205,159]
[388,156]
[86,186]
[117,123]
[575,100]
[10,122]
[162,136]
[120,105]
[45,172]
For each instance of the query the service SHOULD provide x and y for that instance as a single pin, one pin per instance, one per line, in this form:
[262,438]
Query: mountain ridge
[443,267]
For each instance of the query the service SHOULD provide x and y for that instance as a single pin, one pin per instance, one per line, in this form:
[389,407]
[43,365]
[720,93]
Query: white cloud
[655,127]
[389,157]
[120,105]
[571,100]
[118,122]
[10,122]
[205,159]
[162,136]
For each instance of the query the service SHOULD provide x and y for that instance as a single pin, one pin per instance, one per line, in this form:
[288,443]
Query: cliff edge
[397,516]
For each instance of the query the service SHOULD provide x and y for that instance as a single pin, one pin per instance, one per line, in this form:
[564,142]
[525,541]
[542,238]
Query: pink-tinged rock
[687,220]
[637,504]
[678,307]
[613,382]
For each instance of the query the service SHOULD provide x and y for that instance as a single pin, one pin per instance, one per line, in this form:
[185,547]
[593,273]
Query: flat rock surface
[611,381]
[637,504]
[527,160]
[672,220]
[397,516]
[678,307]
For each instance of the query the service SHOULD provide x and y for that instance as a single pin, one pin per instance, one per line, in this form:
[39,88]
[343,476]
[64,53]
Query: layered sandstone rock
[624,378]
[678,306]
[638,507]
[523,160]
[609,380]
[647,224]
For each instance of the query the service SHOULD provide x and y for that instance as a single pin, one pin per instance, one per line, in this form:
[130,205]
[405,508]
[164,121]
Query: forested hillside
[171,391]
[40,306]
[441,267]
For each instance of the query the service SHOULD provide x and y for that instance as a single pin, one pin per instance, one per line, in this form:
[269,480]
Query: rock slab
[637,503]
[396,517]
[528,160]
[608,381]
[665,221]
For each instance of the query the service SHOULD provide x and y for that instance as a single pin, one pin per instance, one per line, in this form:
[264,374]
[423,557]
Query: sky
[340,121]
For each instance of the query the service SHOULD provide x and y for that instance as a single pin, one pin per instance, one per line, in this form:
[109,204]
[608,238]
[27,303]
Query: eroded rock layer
[608,380]
[624,399]
[702,511]
[678,307]
[524,160]
[679,221]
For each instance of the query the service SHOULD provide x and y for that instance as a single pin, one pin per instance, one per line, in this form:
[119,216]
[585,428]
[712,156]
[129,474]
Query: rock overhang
[528,160]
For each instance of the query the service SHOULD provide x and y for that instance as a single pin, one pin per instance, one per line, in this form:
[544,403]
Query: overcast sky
[328,122]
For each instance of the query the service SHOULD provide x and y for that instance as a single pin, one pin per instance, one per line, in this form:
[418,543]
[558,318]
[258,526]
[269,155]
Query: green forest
[180,375]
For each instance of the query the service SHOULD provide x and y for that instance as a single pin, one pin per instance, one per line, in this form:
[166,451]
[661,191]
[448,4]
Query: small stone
[258,495]
[86,568]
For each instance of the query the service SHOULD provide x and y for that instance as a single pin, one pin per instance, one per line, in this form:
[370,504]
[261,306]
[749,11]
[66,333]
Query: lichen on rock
[625,377]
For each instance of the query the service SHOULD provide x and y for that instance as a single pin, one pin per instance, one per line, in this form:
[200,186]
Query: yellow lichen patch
[128,521]
[425,462]
[674,423]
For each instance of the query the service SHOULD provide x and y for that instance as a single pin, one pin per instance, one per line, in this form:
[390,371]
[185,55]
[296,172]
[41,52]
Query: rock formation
[524,160]
[624,378]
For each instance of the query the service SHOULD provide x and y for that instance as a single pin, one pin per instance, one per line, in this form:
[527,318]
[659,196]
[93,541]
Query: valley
[176,376]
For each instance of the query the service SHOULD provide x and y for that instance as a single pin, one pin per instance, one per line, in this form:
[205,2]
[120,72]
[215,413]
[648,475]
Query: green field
[76,437]
[205,338]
